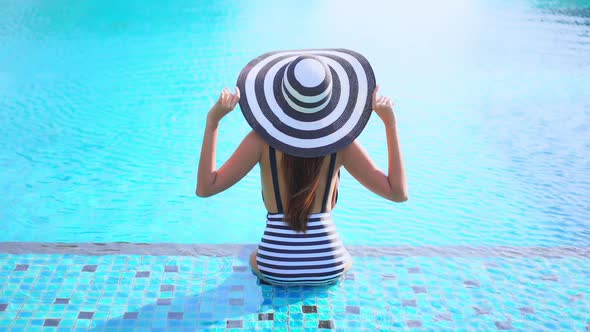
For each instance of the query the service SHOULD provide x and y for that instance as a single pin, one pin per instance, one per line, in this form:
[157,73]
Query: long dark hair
[302,176]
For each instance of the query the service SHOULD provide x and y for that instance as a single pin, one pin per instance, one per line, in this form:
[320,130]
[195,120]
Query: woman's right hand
[226,103]
[383,106]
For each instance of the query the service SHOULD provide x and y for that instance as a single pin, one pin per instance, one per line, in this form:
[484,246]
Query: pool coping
[220,250]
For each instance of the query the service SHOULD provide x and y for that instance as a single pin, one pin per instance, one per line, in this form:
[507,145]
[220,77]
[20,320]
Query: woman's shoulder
[255,142]
[350,149]
[254,138]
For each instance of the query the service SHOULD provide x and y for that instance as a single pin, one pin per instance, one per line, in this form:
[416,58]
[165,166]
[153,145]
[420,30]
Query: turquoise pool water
[102,108]
[103,105]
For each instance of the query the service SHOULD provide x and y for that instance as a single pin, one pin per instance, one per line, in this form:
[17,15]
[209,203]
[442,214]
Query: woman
[306,109]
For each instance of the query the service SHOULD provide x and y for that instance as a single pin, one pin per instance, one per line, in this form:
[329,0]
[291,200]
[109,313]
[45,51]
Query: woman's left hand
[226,103]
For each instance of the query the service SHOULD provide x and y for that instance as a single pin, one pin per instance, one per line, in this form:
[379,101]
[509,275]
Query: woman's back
[309,251]
[327,185]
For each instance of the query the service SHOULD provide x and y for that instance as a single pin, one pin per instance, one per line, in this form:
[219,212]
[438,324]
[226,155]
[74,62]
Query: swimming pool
[103,106]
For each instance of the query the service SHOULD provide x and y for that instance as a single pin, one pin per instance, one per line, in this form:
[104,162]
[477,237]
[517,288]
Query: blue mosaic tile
[21,267]
[171,268]
[89,268]
[235,324]
[167,288]
[175,315]
[385,292]
[52,322]
[326,324]
[86,315]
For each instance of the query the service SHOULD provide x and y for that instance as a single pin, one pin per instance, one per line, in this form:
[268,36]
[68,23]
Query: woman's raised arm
[357,162]
[211,181]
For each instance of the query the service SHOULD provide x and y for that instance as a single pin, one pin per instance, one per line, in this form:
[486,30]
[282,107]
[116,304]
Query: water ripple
[104,110]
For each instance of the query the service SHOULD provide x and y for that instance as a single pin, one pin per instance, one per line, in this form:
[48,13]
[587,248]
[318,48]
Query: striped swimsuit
[288,257]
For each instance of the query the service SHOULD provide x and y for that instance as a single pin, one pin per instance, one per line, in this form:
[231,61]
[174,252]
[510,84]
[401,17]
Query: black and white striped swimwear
[287,257]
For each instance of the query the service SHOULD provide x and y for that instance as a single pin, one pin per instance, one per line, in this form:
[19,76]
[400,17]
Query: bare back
[268,187]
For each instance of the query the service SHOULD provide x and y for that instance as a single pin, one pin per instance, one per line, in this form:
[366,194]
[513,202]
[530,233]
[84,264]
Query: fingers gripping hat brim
[296,121]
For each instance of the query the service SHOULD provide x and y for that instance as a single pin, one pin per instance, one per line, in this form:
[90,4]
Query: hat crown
[310,72]
[307,84]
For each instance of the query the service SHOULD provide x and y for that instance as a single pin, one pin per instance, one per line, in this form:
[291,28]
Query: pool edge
[179,249]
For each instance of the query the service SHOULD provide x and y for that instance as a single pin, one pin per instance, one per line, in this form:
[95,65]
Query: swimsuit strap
[275,177]
[329,181]
[336,190]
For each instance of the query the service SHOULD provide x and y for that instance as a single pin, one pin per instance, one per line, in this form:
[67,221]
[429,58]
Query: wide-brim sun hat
[307,103]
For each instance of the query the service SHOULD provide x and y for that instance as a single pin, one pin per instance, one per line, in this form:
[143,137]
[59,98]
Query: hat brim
[315,134]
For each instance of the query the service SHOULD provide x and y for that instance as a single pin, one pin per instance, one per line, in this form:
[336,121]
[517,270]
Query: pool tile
[85,315]
[3,306]
[89,268]
[142,274]
[235,324]
[51,322]
[167,288]
[175,315]
[164,302]
[239,268]
[67,323]
[306,309]
[131,315]
[526,310]
[266,316]
[61,301]
[326,324]
[21,267]
[353,310]
[419,289]
[236,302]
[170,268]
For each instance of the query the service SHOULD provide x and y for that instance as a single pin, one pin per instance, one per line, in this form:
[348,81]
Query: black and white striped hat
[307,103]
